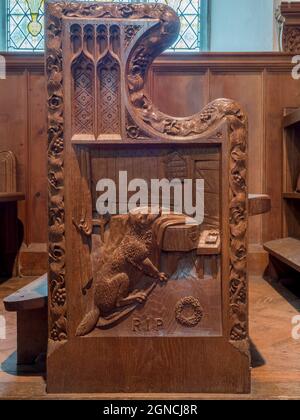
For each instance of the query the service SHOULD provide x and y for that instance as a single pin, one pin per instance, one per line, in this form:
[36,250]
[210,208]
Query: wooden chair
[9,198]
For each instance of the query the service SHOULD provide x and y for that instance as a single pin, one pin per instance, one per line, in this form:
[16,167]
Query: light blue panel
[242,25]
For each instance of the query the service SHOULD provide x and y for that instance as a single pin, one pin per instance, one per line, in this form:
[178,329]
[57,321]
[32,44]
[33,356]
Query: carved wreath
[188,303]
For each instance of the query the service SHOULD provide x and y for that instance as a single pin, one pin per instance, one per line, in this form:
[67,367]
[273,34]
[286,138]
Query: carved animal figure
[115,295]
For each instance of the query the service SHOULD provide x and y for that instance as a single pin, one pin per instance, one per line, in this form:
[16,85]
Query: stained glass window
[25,25]
[25,19]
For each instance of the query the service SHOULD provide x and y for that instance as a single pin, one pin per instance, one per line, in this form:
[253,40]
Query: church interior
[149,199]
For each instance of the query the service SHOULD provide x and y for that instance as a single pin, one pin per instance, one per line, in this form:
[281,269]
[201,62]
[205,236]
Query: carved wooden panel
[159,162]
[127,281]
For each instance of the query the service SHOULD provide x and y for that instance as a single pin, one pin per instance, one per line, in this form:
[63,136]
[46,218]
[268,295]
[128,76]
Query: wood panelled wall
[23,131]
[181,85]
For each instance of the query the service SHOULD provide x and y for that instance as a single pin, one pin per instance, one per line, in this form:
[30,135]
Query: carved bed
[135,304]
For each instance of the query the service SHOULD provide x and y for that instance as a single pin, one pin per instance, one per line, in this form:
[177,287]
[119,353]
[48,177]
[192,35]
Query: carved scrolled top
[166,126]
[146,49]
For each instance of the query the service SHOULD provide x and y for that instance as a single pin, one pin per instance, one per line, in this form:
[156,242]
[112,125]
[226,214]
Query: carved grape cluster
[57,335]
[59,296]
[57,145]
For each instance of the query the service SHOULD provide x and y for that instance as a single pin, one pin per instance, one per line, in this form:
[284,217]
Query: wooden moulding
[10,197]
[108,363]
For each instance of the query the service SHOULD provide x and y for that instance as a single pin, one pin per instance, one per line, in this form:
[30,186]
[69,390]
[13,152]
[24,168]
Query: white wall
[242,25]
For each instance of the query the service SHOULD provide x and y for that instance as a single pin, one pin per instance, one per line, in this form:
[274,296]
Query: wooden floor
[276,356]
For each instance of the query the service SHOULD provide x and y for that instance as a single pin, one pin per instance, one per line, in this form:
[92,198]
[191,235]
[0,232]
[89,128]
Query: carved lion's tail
[89,322]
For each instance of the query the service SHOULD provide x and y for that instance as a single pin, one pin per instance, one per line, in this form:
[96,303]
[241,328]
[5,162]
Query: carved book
[146,293]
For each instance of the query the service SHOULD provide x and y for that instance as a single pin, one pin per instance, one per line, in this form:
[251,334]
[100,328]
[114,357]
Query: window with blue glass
[25,21]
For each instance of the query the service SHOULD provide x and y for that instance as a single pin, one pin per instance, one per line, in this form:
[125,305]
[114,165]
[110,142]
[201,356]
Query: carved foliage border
[56,275]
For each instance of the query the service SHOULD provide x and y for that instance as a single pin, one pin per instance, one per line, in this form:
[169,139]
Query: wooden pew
[30,303]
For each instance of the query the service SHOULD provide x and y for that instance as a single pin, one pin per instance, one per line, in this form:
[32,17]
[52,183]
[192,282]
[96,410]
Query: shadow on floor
[256,358]
[11,367]
[288,287]
[4,279]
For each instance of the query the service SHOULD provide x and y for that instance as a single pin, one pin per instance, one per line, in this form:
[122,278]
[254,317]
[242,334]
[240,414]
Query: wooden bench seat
[287,250]
[259,204]
[30,303]
[11,197]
